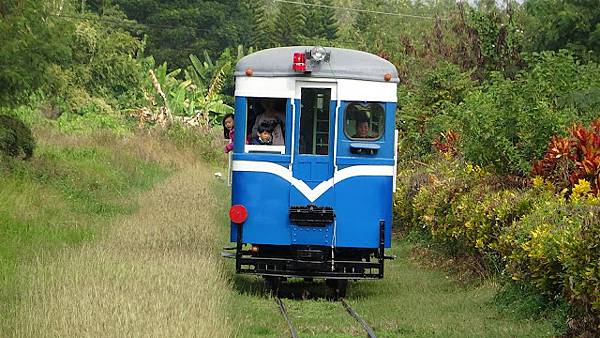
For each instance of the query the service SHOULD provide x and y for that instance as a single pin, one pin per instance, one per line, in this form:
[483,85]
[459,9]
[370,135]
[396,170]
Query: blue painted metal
[359,202]
[239,139]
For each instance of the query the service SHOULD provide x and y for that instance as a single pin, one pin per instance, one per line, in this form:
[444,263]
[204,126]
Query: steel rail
[285,316]
[355,315]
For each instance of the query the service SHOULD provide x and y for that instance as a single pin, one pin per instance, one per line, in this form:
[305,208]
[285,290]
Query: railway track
[347,307]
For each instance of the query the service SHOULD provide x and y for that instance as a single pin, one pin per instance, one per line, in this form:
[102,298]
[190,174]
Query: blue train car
[313,197]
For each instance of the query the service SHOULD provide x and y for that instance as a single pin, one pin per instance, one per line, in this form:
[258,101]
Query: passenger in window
[228,131]
[275,117]
[363,130]
[264,134]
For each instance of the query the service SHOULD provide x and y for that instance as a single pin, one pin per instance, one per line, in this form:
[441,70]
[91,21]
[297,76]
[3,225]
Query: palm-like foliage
[198,97]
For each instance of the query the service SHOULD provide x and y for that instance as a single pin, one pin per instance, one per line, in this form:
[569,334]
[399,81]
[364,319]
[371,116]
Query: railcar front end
[318,202]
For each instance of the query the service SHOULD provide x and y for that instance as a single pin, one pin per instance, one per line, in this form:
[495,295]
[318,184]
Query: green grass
[524,301]
[156,272]
[60,198]
[411,301]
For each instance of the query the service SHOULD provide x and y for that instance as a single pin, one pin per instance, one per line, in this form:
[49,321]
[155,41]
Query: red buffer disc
[238,213]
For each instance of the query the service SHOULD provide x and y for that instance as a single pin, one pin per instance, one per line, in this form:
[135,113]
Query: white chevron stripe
[313,194]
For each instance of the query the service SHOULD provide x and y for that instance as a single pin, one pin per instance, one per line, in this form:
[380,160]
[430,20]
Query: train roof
[342,64]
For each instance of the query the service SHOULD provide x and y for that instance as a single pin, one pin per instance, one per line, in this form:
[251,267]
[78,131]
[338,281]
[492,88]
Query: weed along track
[343,302]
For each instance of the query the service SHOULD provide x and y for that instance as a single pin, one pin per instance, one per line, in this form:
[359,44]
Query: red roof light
[299,64]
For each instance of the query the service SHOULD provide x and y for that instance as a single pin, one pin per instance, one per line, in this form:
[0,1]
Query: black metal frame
[311,215]
[312,261]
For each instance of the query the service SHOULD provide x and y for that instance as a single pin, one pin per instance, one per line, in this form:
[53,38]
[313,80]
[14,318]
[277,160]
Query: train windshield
[364,121]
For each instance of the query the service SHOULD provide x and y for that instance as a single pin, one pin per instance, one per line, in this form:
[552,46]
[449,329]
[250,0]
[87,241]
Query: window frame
[264,149]
[315,132]
[382,121]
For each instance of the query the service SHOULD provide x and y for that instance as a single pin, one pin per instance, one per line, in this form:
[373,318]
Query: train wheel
[338,286]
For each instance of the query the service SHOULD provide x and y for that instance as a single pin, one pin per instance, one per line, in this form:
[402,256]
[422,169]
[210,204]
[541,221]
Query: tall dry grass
[144,144]
[155,273]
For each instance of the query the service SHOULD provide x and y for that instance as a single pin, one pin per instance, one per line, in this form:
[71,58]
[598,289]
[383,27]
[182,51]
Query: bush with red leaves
[447,143]
[567,160]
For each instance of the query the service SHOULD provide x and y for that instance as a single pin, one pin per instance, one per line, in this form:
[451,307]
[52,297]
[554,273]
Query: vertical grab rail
[381,247]
[229,169]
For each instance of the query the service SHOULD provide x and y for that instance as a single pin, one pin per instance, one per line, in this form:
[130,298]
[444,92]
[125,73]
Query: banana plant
[199,96]
[209,103]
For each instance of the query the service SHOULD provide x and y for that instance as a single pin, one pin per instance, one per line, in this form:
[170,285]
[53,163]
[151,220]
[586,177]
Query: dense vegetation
[498,111]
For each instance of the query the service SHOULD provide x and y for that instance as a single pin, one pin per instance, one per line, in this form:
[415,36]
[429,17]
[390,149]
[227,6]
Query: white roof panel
[342,64]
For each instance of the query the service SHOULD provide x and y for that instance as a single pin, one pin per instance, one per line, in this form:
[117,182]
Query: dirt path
[154,273]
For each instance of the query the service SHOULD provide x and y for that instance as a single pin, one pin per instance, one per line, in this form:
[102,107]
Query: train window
[314,121]
[364,121]
[266,114]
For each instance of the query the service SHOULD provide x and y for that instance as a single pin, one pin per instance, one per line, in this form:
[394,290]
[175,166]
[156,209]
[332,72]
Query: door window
[314,121]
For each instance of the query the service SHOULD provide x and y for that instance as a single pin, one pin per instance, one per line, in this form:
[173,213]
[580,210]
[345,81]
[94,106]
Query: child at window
[272,114]
[264,135]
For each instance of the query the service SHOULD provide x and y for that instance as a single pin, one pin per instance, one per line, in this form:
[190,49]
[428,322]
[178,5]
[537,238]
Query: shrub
[509,122]
[569,160]
[446,143]
[538,237]
[423,110]
[505,123]
[484,212]
[16,139]
[468,207]
[433,203]
[408,185]
[81,103]
[555,248]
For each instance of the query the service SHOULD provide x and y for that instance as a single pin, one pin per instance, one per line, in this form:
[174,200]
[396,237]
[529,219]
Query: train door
[312,166]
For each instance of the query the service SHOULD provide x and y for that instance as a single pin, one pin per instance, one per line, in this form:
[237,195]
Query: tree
[311,28]
[177,28]
[569,24]
[289,24]
[261,31]
[320,22]
[33,36]
[329,25]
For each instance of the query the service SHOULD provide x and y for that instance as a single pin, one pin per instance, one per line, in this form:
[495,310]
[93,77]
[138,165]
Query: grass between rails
[66,195]
[411,301]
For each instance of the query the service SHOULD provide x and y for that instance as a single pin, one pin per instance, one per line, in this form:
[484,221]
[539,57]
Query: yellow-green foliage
[548,240]
[556,248]
[409,183]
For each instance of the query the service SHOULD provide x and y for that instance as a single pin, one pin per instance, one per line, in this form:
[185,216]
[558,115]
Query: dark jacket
[257,140]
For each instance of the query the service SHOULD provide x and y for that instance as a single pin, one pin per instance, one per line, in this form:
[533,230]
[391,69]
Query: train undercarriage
[336,265]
